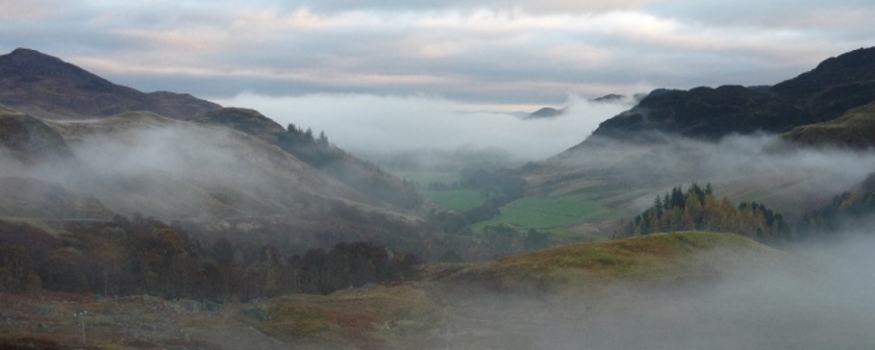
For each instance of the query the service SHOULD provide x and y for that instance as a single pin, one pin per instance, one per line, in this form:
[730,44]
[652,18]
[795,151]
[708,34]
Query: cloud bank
[497,51]
[393,124]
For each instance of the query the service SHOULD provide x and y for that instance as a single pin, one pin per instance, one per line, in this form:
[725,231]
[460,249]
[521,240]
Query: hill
[657,259]
[715,135]
[244,120]
[546,299]
[28,139]
[832,88]
[140,162]
[49,88]
[855,130]
[320,154]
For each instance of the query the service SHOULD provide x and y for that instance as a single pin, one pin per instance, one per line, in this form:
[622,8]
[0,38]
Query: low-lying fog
[820,298]
[178,170]
[368,124]
[744,167]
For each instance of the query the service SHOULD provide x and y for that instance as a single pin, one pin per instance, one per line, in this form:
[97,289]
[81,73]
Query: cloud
[499,51]
[386,124]
[757,168]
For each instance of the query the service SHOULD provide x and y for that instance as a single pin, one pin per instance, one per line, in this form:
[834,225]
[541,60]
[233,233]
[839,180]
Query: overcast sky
[479,55]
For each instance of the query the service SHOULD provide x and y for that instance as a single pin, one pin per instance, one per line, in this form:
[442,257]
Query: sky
[472,56]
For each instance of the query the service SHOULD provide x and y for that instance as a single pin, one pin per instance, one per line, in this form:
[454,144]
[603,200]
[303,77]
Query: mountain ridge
[50,88]
[835,86]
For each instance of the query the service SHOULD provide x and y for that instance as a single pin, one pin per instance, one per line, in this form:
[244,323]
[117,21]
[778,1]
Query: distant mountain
[49,88]
[825,93]
[546,112]
[609,98]
[707,113]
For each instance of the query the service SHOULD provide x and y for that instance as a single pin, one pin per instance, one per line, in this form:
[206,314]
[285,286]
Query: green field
[544,213]
[458,200]
[423,178]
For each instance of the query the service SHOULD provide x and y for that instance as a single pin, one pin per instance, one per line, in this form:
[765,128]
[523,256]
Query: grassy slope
[855,129]
[566,216]
[423,178]
[547,213]
[654,258]
[458,200]
[448,308]
[408,315]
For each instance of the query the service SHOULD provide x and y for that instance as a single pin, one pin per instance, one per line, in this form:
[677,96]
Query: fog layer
[142,164]
[390,124]
[817,299]
[752,167]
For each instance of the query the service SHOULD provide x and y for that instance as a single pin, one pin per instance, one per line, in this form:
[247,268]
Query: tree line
[698,209]
[143,255]
[364,176]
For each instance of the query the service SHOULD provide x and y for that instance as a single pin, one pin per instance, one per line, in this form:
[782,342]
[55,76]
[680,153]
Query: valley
[719,218]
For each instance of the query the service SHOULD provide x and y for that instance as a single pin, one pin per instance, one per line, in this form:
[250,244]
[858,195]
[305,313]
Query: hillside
[33,199]
[723,136]
[855,130]
[550,299]
[320,154]
[649,260]
[139,162]
[29,140]
[244,120]
[49,88]
[824,93]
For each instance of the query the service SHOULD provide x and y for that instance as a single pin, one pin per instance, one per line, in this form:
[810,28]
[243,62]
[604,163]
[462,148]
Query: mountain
[675,137]
[835,86]
[76,148]
[546,112]
[707,113]
[49,88]
[609,98]
[178,169]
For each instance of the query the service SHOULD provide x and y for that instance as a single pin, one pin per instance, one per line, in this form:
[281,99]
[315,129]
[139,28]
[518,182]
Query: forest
[143,255]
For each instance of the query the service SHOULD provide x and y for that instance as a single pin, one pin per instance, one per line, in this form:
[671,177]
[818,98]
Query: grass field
[544,213]
[423,178]
[458,200]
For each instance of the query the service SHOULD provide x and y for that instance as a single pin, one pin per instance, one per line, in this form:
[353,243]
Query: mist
[818,297]
[757,167]
[178,170]
[385,125]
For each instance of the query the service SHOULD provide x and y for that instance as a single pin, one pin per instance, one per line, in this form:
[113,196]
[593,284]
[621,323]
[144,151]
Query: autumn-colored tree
[698,209]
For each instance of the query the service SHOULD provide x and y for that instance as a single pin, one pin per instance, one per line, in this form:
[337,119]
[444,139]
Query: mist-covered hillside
[728,136]
[229,162]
